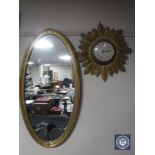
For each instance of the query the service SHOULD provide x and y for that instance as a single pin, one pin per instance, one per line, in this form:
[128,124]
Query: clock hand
[104,51]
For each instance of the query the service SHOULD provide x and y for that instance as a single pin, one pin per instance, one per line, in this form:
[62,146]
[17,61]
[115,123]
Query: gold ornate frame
[76,77]
[93,66]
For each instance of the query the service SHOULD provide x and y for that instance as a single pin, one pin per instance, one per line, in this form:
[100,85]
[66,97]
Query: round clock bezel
[92,47]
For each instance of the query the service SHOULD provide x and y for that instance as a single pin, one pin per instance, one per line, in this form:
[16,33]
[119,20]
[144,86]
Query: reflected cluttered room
[49,87]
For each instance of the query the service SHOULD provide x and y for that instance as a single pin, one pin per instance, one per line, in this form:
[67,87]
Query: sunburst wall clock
[103,52]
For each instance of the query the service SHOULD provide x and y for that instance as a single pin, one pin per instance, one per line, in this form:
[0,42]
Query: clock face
[103,52]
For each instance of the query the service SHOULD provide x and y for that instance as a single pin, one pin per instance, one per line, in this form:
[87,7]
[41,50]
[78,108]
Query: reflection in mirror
[49,87]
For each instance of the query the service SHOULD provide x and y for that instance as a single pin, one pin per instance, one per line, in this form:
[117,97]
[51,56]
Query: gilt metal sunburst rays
[103,52]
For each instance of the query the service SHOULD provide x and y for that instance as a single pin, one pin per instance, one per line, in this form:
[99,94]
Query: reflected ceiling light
[30,63]
[47,65]
[43,43]
[65,57]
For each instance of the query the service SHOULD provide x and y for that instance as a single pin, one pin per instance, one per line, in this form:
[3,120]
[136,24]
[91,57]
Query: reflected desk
[49,105]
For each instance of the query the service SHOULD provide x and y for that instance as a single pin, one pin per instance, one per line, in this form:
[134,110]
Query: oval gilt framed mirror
[50,88]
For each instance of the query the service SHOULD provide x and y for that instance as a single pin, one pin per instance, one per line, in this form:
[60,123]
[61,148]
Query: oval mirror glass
[50,88]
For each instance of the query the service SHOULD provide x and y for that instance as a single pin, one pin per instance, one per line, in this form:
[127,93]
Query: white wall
[107,108]
[63,71]
[35,74]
